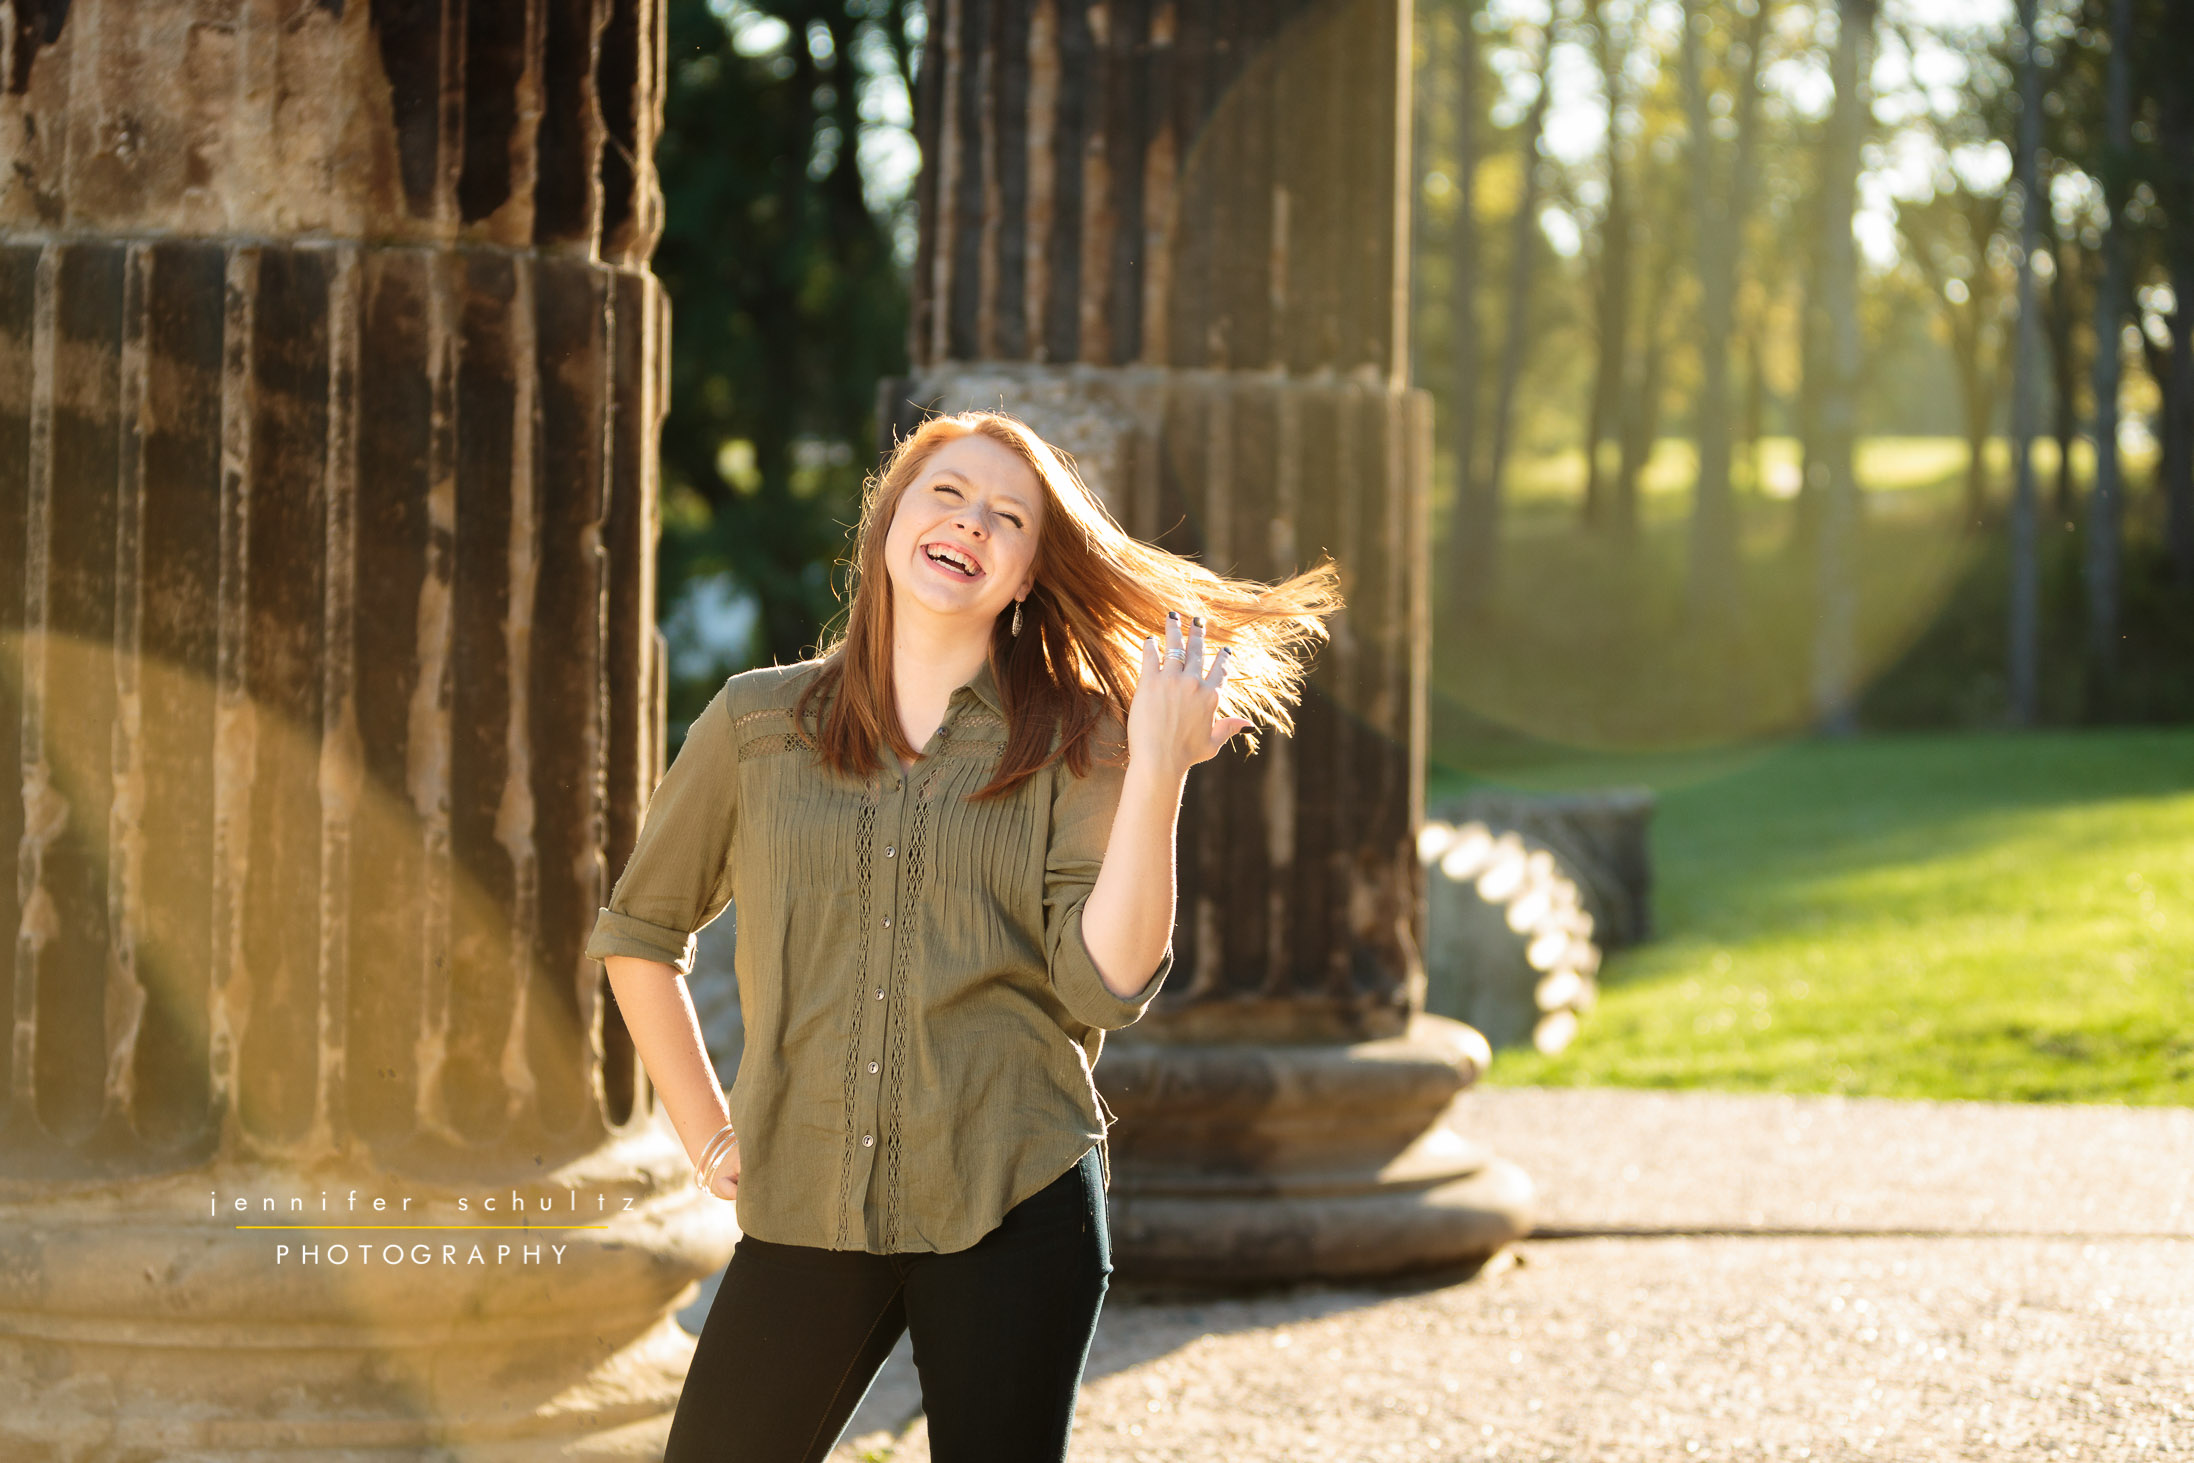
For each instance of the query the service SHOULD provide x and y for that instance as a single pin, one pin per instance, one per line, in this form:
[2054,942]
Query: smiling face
[962,541]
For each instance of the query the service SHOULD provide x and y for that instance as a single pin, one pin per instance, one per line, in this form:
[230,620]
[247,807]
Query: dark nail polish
[1199,622]
[1173,614]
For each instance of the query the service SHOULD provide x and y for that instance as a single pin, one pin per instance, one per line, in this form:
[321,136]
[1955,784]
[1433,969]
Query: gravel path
[1747,1277]
[1606,1158]
[1670,1348]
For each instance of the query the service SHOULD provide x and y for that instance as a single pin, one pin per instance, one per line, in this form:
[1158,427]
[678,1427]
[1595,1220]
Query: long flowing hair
[1098,591]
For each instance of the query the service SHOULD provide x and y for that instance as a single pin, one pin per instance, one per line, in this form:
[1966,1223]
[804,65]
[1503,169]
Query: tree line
[1712,273]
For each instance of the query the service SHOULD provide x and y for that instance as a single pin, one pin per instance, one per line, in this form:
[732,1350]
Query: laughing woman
[950,838]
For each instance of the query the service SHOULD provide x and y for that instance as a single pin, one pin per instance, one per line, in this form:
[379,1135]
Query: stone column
[330,378]
[1173,236]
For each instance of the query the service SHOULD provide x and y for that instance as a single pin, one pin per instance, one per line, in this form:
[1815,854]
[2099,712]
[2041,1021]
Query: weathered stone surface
[330,374]
[1261,1163]
[1191,186]
[528,124]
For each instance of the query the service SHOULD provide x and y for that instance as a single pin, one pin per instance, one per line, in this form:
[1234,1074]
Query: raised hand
[1174,720]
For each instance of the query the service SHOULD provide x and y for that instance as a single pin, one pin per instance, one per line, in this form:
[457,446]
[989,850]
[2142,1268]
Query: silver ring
[1178,656]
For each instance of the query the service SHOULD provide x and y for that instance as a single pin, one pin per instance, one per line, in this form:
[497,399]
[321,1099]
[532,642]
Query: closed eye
[949,488]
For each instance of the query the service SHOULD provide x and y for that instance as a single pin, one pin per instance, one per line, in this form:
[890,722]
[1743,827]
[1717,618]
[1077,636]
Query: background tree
[1721,192]
[2024,607]
[1460,403]
[2105,510]
[2172,359]
[1481,487]
[1835,647]
[1663,304]
[1613,37]
[1954,239]
[788,304]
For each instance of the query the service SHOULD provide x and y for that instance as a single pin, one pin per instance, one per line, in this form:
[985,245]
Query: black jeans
[1001,1332]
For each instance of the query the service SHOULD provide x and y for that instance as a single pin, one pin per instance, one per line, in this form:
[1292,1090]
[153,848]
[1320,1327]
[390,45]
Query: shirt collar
[984,685]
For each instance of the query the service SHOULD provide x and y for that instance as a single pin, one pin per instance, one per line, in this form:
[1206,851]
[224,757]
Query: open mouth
[952,561]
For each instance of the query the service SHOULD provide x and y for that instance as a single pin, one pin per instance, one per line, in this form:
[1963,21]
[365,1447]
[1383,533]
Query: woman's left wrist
[1157,774]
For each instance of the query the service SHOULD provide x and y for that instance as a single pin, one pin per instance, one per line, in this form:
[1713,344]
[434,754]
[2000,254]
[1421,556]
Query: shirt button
[891,850]
[879,993]
[868,1140]
[887,921]
[872,1066]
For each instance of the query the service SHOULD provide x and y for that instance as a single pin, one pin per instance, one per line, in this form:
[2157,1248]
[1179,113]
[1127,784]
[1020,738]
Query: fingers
[1173,634]
[1225,729]
[1215,677]
[1195,665]
[1150,655]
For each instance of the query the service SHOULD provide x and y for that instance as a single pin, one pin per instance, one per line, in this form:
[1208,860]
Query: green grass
[1954,916]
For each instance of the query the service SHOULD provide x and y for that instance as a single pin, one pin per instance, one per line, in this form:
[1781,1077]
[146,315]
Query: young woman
[950,841]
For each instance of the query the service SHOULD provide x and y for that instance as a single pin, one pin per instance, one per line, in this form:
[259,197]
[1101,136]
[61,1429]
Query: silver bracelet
[713,1156]
[713,1152]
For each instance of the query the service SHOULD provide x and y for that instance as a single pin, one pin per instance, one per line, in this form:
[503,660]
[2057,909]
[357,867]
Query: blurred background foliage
[784,254]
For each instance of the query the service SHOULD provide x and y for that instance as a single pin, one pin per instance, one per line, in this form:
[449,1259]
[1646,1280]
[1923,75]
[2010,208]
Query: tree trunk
[1464,554]
[1751,418]
[2175,464]
[1423,100]
[2175,185]
[1613,293]
[2105,504]
[2024,640]
[2062,318]
[1719,216]
[1481,523]
[1835,645]
[1641,411]
[1805,518]
[1981,389]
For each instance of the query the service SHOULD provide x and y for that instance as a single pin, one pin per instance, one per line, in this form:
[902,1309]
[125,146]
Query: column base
[1240,1164]
[136,1326]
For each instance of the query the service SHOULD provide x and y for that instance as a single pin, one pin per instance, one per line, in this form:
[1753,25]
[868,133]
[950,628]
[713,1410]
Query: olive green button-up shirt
[922,1014]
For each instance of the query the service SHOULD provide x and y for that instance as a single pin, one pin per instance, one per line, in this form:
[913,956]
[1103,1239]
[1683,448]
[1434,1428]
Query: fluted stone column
[1172,236]
[330,378]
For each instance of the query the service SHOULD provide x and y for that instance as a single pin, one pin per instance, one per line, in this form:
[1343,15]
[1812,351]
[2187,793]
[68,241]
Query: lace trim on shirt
[864,838]
[763,746]
[767,731]
[977,750]
[767,713]
[902,1002]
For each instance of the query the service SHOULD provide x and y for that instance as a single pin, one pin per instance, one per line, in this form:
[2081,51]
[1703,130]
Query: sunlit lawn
[1981,916]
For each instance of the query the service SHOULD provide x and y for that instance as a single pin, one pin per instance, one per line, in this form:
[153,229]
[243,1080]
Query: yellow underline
[423,1226]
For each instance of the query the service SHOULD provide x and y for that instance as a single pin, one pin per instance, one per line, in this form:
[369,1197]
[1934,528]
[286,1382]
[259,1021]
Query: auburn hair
[1098,590]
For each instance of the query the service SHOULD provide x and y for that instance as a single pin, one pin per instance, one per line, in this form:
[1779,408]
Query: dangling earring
[1016,617]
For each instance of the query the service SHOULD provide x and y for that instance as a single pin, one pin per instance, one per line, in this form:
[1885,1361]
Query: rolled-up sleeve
[1082,810]
[679,876]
